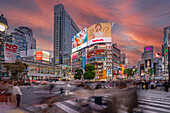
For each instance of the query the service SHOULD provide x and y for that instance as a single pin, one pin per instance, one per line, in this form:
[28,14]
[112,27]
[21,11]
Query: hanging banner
[10,52]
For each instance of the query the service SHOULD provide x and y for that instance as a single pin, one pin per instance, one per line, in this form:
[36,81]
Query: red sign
[97,40]
[10,51]
[99,50]
[38,55]
[121,65]
[158,55]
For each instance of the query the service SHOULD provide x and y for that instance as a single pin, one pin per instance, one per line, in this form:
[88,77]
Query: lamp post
[3,30]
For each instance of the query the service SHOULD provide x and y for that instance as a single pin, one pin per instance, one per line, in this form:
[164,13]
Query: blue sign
[83,59]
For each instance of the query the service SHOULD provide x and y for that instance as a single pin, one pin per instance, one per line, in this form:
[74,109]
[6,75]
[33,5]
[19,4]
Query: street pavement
[9,108]
[153,102]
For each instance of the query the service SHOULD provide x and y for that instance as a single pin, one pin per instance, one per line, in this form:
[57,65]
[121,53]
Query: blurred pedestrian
[146,85]
[17,92]
[51,86]
[166,86]
[8,91]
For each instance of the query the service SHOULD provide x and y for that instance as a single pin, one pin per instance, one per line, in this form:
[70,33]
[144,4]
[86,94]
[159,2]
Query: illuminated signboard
[98,33]
[147,48]
[42,55]
[79,40]
[148,63]
[45,56]
[38,55]
[158,55]
[74,56]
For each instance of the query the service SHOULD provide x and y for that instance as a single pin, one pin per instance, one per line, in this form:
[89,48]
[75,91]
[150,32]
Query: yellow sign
[99,30]
[104,73]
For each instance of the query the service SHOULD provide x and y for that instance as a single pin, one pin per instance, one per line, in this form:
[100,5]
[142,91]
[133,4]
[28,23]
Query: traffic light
[5,74]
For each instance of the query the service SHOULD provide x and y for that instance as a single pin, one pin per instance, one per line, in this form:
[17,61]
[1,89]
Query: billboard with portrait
[147,63]
[100,32]
[79,40]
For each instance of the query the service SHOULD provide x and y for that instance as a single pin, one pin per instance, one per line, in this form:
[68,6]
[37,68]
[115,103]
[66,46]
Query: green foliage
[78,74]
[129,72]
[17,69]
[88,75]
[89,67]
[89,72]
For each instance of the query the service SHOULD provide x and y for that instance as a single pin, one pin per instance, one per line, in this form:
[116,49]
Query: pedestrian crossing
[153,102]
[82,105]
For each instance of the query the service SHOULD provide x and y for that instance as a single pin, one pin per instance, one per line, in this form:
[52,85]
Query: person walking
[17,92]
[166,86]
[51,86]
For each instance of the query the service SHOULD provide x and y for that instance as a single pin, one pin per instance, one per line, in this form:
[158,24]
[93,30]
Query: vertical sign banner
[10,51]
[83,59]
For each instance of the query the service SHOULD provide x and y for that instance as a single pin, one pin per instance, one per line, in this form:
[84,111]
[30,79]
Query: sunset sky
[138,23]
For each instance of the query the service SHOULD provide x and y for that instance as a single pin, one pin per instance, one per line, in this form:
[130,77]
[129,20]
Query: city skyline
[135,21]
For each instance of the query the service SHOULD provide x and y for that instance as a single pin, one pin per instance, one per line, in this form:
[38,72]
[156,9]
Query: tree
[89,72]
[78,74]
[17,69]
[129,72]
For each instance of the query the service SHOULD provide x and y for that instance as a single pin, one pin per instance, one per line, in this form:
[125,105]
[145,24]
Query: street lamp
[3,30]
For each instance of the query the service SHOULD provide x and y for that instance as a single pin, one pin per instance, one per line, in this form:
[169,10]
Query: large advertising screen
[147,63]
[79,40]
[100,32]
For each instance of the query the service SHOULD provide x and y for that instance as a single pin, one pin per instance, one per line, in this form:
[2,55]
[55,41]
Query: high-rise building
[23,37]
[64,29]
[20,40]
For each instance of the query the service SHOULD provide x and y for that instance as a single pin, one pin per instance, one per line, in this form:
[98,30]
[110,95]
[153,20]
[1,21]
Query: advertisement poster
[10,51]
[38,55]
[46,56]
[158,55]
[148,63]
[74,56]
[79,40]
[100,32]
[83,59]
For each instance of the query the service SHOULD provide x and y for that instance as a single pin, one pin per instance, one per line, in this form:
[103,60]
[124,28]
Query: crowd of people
[10,92]
[152,84]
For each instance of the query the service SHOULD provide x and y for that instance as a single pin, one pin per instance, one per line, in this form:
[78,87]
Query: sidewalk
[9,108]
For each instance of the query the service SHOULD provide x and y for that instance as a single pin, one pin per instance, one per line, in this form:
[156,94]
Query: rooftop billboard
[42,55]
[158,55]
[79,40]
[100,32]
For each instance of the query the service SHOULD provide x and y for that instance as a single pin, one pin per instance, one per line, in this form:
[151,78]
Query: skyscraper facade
[23,37]
[64,29]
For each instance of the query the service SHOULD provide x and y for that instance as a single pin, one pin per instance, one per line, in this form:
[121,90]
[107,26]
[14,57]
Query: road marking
[151,103]
[65,108]
[155,108]
[155,101]
[71,102]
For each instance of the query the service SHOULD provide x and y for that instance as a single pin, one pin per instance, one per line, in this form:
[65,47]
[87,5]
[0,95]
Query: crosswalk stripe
[160,102]
[155,104]
[65,108]
[71,102]
[155,108]
[148,111]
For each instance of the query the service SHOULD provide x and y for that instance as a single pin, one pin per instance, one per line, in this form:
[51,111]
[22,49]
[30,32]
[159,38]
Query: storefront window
[42,69]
